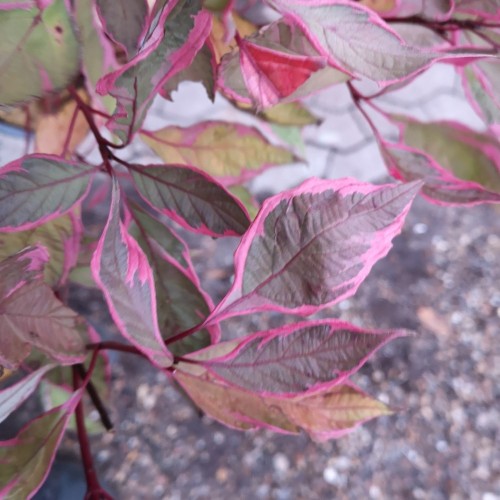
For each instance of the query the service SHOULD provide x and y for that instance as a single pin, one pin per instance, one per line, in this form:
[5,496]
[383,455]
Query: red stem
[183,335]
[357,97]
[94,489]
[449,25]
[115,346]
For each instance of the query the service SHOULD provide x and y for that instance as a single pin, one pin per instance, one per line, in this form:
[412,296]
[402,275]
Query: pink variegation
[307,249]
[336,230]
[27,459]
[458,165]
[356,40]
[22,269]
[160,58]
[299,358]
[122,272]
[181,301]
[192,198]
[38,188]
[278,64]
[231,152]
[32,317]
[486,9]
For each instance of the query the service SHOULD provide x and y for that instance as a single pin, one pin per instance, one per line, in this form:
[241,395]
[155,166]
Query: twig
[96,399]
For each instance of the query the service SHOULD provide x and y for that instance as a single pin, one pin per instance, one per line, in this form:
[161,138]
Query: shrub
[73,69]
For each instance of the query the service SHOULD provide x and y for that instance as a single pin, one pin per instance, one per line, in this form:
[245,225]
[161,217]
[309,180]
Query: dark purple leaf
[38,188]
[192,198]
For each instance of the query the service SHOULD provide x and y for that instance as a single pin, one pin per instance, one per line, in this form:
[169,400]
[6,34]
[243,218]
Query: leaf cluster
[82,73]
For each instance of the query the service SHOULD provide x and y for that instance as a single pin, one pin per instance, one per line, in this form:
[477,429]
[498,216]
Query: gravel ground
[441,280]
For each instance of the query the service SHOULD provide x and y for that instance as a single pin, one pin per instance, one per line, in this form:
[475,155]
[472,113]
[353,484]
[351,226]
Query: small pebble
[281,463]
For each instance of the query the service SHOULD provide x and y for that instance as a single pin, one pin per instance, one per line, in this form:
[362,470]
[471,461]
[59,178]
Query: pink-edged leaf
[14,396]
[358,41]
[191,198]
[458,165]
[61,237]
[440,186]
[278,64]
[181,302]
[97,52]
[231,152]
[482,80]
[312,246]
[27,459]
[21,269]
[124,21]
[484,102]
[271,75]
[482,94]
[33,317]
[300,357]
[324,415]
[37,188]
[122,272]
[180,33]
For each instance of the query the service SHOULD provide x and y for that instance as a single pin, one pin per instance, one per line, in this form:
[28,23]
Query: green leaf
[292,135]
[290,113]
[191,198]
[38,53]
[229,151]
[469,155]
[150,227]
[249,202]
[97,53]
